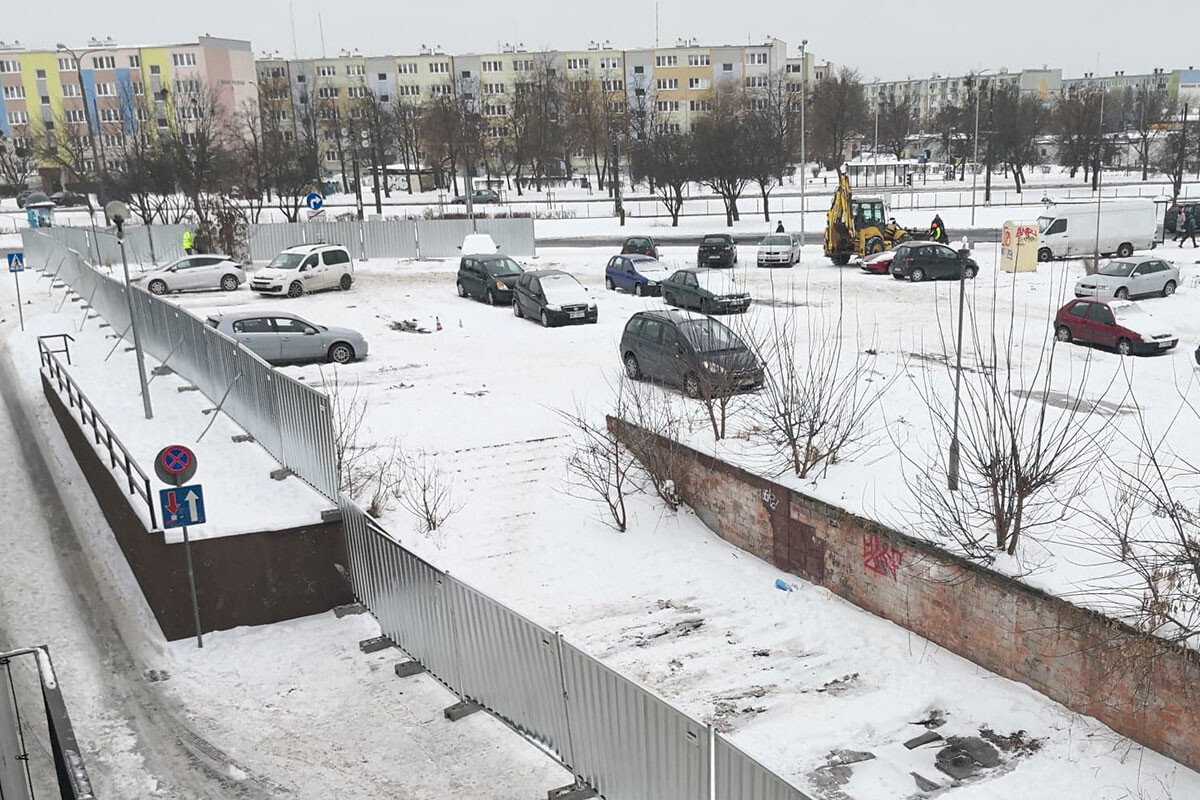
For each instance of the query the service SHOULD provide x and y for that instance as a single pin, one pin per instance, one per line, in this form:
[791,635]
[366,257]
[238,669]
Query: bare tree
[406,122]
[1180,152]
[838,112]
[1018,120]
[1151,109]
[771,136]
[587,124]
[897,121]
[196,143]
[601,467]
[658,426]
[355,457]
[666,160]
[721,160]
[17,164]
[427,494]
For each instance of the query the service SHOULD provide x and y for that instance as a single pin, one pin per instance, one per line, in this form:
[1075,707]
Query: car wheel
[874,245]
[1044,254]
[632,368]
[345,283]
[517,310]
[545,319]
[295,290]
[1168,289]
[229,283]
[1125,250]
[608,284]
[341,353]
[489,298]
[669,299]
[691,385]
[157,287]
[1062,333]
[462,290]
[969,272]
[917,275]
[1125,347]
[637,289]
[1122,293]
[705,306]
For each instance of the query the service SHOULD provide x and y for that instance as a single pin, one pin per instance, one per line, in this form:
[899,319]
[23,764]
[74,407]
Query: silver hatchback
[1123,278]
[280,338]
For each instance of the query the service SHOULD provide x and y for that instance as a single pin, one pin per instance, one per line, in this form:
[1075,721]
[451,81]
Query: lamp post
[119,212]
[803,154]
[97,161]
[974,81]
[952,467]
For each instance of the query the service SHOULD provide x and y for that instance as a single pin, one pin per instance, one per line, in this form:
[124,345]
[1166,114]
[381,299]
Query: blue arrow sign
[16,262]
[183,505]
[314,202]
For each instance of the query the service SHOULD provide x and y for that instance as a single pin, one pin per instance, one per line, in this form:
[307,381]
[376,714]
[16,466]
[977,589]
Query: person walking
[779,227]
[188,241]
[1180,224]
[1189,230]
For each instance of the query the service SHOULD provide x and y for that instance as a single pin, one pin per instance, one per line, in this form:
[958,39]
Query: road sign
[175,464]
[314,201]
[16,262]
[182,506]
[319,213]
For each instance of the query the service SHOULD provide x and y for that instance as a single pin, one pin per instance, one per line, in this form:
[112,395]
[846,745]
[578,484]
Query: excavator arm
[839,224]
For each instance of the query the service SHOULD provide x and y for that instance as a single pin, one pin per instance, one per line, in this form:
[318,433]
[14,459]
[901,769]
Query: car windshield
[1117,269]
[1043,223]
[715,240]
[563,288]
[1131,316]
[716,282]
[709,336]
[502,267]
[777,240]
[286,261]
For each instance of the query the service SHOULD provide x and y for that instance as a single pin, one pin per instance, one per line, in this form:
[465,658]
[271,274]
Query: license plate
[575,314]
[1164,344]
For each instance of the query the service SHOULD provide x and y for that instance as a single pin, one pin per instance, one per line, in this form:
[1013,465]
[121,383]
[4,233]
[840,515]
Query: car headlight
[553,308]
[712,366]
[592,306]
[502,286]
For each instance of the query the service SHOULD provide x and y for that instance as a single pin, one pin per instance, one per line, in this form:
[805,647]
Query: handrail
[118,454]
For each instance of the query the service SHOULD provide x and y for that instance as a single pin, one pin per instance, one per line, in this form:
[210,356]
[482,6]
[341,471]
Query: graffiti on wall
[881,557]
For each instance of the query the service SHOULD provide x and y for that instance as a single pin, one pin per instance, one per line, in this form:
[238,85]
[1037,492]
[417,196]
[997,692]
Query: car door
[471,279]
[205,273]
[298,341]
[308,272]
[334,264]
[693,290]
[673,365]
[259,337]
[1141,279]
[616,272]
[1103,325]
[531,301]
[948,265]
[182,274]
[651,357]
[1079,323]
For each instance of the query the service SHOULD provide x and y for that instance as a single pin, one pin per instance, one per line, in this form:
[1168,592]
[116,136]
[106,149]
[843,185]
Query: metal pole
[187,553]
[875,149]
[1100,175]
[975,158]
[20,311]
[952,472]
[137,339]
[803,153]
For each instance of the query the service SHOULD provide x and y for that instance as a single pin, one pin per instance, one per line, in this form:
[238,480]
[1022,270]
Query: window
[14,92]
[385,98]
[616,108]
[493,88]
[698,61]
[667,84]
[408,90]
[440,90]
[326,71]
[497,132]
[67,64]
[700,105]
[155,69]
[670,127]
[70,90]
[356,113]
[756,58]
[356,69]
[577,86]
[756,81]
[137,87]
[466,73]
[356,91]
[77,115]
[143,115]
[331,155]
[191,86]
[577,63]
[727,67]
[18,118]
[666,61]
[281,115]
[612,86]
[523,65]
[113,140]
[699,83]
[382,76]
[334,257]
[111,115]
[104,62]
[441,67]
[41,74]
[1058,226]
[495,111]
[301,78]
[406,68]
[1100,313]
[493,66]
[105,90]
[257,325]
[667,106]
[639,70]
[183,59]
[329,113]
[610,63]
[10,66]
[328,92]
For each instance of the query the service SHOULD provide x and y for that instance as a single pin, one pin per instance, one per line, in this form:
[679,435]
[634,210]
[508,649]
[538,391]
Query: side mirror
[310,332]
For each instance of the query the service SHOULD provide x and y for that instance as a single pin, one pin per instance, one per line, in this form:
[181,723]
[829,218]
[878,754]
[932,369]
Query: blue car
[638,274]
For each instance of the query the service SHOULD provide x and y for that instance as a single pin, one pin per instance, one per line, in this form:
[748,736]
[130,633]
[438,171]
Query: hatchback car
[482,196]
[699,354]
[490,278]
[641,275]
[710,291]
[779,250]
[280,338]
[1130,277]
[879,264]
[67,199]
[640,245]
[306,268]
[1118,324]
[920,260]
[553,297]
[193,273]
[717,250]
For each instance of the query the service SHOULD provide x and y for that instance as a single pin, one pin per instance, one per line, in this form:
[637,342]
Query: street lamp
[119,212]
[87,116]
[803,154]
[973,81]
[964,253]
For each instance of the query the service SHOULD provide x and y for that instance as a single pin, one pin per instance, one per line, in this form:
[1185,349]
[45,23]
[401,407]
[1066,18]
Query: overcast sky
[887,40]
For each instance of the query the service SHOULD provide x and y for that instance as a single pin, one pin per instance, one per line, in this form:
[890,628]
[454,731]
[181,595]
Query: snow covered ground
[790,676]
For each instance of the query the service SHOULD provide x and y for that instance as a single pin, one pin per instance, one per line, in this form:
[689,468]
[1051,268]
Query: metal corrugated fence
[740,777]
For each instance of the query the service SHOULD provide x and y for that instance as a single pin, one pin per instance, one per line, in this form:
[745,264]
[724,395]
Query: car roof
[639,257]
[632,238]
[234,316]
[670,314]
[311,248]
[722,235]
[542,273]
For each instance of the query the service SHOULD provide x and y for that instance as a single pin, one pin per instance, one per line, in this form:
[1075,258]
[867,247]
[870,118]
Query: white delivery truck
[1068,230]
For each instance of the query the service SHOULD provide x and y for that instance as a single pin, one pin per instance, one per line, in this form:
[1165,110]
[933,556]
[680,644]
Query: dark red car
[640,245]
[878,264]
[1117,324]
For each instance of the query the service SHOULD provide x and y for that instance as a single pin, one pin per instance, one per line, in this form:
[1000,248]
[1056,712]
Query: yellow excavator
[859,226]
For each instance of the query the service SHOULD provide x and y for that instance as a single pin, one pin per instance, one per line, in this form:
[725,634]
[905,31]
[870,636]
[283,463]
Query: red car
[878,264]
[1118,324]
[640,245]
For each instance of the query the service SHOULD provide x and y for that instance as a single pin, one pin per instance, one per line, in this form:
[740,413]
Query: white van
[1068,230]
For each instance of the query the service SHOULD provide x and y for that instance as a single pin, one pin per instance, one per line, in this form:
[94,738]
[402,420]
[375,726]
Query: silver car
[193,273]
[779,249]
[280,338]
[1123,278]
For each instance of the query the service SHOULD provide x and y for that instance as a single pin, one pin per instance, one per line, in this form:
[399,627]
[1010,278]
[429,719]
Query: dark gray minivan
[697,353]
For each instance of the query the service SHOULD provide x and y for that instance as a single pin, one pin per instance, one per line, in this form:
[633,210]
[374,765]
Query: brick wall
[1139,686]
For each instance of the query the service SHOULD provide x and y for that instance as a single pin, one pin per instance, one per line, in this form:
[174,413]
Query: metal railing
[19,779]
[119,459]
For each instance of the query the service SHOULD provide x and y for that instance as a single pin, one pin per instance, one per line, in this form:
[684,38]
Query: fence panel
[512,236]
[390,238]
[441,238]
[510,666]
[740,777]
[267,240]
[627,743]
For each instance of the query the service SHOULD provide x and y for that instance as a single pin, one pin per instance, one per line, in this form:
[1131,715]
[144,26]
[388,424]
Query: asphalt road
[977,235]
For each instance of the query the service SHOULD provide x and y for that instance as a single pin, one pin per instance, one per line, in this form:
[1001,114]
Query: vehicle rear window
[332,257]
[715,240]
[256,325]
[634,326]
[777,240]
[708,336]
[1100,313]
[1080,310]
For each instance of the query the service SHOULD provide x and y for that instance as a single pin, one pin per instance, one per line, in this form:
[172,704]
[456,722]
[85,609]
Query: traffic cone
[439,322]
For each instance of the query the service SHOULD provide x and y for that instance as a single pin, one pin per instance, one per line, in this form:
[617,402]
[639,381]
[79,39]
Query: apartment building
[105,91]
[932,94]
[1157,80]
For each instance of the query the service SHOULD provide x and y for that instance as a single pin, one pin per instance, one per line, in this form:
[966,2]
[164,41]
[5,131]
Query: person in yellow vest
[188,241]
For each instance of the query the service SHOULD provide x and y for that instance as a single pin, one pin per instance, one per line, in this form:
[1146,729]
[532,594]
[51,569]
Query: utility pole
[975,157]
[875,147]
[119,213]
[803,153]
[987,186]
[1099,174]
[952,466]
[615,180]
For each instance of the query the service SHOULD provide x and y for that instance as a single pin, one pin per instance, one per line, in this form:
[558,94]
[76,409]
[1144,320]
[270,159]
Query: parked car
[22,196]
[778,249]
[306,268]
[66,198]
[1169,222]
[1130,277]
[280,338]
[640,245]
[1067,230]
[641,275]
[710,291]
[194,273]
[917,261]
[717,249]
[553,297]
[699,354]
[481,196]
[490,278]
[880,263]
[475,244]
[1118,324]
